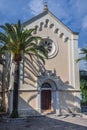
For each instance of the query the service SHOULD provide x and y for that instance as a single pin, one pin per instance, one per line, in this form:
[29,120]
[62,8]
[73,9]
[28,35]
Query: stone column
[39,101]
[10,101]
[57,103]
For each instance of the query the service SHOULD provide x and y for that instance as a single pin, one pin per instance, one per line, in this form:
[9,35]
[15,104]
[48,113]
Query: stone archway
[48,96]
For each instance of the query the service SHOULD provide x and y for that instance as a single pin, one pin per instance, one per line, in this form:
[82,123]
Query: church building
[53,87]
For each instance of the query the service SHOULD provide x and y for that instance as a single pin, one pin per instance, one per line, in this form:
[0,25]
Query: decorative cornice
[47,24]
[52,15]
[70,90]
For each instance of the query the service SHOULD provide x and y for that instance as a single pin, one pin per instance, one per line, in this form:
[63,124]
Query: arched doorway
[46,100]
[46,97]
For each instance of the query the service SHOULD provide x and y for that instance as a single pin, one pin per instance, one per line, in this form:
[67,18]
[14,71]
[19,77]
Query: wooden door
[46,99]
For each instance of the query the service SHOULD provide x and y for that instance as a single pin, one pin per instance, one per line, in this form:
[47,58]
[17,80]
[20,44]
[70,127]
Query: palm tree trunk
[3,88]
[15,91]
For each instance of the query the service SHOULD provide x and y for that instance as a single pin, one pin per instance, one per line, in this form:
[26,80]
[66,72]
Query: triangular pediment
[47,19]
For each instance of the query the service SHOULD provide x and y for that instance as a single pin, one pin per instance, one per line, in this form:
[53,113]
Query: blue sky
[73,13]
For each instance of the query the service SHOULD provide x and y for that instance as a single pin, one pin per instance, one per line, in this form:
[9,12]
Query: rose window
[51,47]
[48,46]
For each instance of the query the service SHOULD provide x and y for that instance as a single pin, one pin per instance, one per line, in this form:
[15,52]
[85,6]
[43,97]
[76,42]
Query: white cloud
[84,22]
[72,12]
[36,6]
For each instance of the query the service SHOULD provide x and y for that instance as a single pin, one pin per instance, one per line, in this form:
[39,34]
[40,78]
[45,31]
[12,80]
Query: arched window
[46,85]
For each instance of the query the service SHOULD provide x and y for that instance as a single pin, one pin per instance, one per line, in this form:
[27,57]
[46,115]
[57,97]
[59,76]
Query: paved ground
[50,122]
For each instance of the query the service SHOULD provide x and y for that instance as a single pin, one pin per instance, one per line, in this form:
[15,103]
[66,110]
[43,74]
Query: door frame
[54,95]
[46,88]
[50,100]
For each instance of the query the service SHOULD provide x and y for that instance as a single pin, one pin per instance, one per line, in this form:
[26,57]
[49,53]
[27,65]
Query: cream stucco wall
[27,103]
[61,61]
[64,63]
[69,101]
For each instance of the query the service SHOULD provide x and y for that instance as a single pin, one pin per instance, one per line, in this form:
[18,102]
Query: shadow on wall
[27,104]
[69,102]
[31,70]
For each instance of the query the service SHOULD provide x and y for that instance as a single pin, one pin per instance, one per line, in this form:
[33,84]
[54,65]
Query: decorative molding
[56,30]
[51,25]
[66,39]
[36,27]
[61,35]
[47,24]
[41,26]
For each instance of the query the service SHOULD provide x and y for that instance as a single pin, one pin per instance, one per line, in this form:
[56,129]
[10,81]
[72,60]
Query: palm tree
[1,56]
[83,83]
[17,42]
[84,53]
[2,62]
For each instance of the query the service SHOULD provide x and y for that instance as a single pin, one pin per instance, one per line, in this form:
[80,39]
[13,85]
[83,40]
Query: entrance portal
[45,100]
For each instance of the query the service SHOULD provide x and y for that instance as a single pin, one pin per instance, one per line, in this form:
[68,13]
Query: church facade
[53,87]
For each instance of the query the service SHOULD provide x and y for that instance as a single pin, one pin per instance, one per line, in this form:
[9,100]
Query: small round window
[51,47]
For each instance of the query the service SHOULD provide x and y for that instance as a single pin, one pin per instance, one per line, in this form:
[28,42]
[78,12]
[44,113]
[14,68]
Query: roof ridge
[50,13]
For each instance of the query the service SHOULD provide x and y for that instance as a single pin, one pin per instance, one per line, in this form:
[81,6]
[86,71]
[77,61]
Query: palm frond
[84,54]
[82,58]
[83,51]
[18,41]
[3,38]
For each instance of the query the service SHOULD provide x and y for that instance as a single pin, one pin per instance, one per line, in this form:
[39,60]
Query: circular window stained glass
[48,46]
[51,47]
